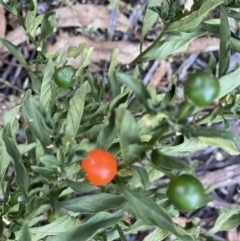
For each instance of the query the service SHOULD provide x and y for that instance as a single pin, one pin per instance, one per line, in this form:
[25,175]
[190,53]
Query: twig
[10,85]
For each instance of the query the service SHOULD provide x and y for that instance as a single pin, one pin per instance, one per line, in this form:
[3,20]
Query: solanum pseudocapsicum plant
[94,151]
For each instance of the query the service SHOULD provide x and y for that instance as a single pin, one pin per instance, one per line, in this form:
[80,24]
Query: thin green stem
[190,124]
[147,49]
[184,110]
[120,232]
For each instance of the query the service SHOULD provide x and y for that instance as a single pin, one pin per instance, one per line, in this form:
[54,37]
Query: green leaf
[101,107]
[142,176]
[150,19]
[190,23]
[75,111]
[25,234]
[168,162]
[212,64]
[47,25]
[5,6]
[233,14]
[226,145]
[16,53]
[158,234]
[75,51]
[37,119]
[153,175]
[93,203]
[11,115]
[88,230]
[118,100]
[139,89]
[211,132]
[128,134]
[85,61]
[215,29]
[30,16]
[57,227]
[22,177]
[225,50]
[170,97]
[228,83]
[45,171]
[173,44]
[50,161]
[82,187]
[4,157]
[108,134]
[114,82]
[46,88]
[23,148]
[228,219]
[152,214]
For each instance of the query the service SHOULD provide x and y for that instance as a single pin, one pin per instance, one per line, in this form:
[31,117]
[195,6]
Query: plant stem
[184,110]
[147,49]
[190,124]
[120,232]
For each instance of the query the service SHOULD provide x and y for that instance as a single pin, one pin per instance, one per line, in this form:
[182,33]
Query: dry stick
[10,85]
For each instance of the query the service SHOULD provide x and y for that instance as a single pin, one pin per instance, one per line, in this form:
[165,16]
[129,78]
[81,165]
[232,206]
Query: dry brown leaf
[89,15]
[232,235]
[204,44]
[159,73]
[2,25]
[102,49]
[181,221]
[188,4]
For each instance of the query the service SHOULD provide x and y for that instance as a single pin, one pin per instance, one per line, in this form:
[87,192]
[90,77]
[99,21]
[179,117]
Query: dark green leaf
[81,187]
[74,51]
[30,16]
[225,50]
[170,96]
[22,177]
[75,110]
[50,161]
[152,214]
[233,14]
[93,203]
[46,94]
[16,53]
[215,29]
[150,19]
[114,82]
[58,226]
[88,230]
[25,234]
[5,6]
[120,99]
[128,134]
[108,134]
[143,176]
[212,64]
[47,25]
[35,117]
[225,144]
[45,171]
[190,23]
[229,83]
[173,44]
[139,89]
[101,107]
[228,219]
[168,162]
[211,132]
